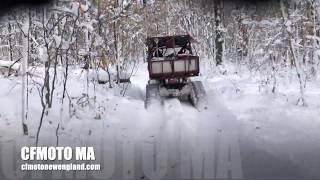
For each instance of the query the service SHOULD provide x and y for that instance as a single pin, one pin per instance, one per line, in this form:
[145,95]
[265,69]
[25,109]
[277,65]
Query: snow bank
[274,122]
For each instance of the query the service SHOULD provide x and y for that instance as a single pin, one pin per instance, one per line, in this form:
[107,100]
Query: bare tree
[287,25]
[219,40]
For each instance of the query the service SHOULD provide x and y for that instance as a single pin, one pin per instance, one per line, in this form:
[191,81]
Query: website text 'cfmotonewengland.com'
[60,167]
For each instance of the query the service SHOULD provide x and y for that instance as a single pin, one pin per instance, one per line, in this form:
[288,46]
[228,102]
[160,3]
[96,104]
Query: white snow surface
[270,128]
[7,64]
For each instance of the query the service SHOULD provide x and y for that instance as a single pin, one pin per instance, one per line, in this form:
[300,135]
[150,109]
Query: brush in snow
[171,64]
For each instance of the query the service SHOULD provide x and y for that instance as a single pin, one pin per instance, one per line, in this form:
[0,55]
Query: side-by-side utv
[171,63]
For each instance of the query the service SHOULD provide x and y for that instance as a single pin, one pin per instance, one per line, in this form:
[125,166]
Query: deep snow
[267,134]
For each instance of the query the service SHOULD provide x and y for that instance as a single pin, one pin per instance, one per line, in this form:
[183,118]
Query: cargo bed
[176,67]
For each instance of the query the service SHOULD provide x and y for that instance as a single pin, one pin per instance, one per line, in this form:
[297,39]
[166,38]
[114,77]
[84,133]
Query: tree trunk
[10,42]
[219,39]
[25,59]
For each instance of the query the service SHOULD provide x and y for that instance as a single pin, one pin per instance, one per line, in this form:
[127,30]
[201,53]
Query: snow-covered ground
[253,133]
[278,137]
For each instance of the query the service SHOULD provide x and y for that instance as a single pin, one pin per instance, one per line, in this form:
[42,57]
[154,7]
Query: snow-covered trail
[275,151]
[169,141]
[180,136]
[183,139]
[172,140]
